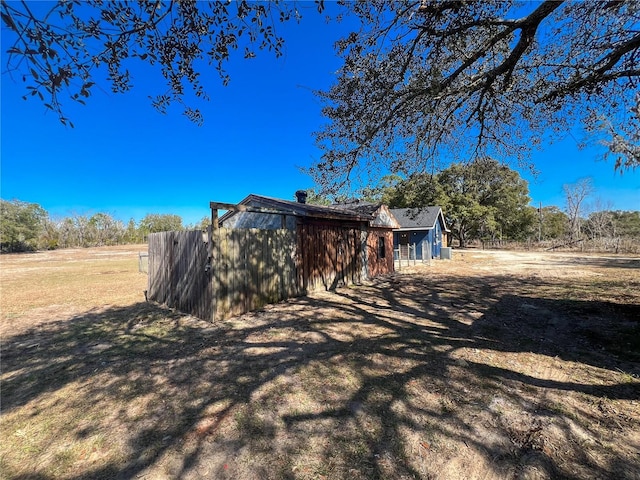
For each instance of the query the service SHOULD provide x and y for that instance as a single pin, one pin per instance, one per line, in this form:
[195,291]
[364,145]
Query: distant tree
[68,235]
[154,222]
[371,194]
[520,225]
[479,199]
[575,197]
[376,193]
[599,224]
[82,230]
[486,199]
[76,231]
[20,225]
[368,194]
[314,198]
[27,226]
[626,224]
[203,224]
[49,238]
[599,221]
[418,190]
[104,230]
[132,234]
[63,48]
[555,223]
[64,228]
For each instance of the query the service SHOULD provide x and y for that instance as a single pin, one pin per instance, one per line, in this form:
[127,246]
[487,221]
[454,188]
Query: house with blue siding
[422,230]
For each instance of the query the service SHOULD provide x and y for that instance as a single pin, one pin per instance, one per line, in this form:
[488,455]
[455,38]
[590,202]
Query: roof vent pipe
[301,196]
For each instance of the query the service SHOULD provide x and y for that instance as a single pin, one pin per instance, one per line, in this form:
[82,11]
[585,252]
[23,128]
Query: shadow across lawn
[605,262]
[391,380]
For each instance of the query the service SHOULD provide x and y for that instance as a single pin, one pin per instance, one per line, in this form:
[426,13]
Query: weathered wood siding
[376,263]
[177,276]
[252,268]
[248,269]
[329,255]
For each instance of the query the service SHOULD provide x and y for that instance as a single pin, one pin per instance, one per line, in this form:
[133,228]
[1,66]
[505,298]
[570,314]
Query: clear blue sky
[126,159]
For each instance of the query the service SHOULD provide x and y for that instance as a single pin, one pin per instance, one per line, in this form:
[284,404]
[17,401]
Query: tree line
[27,227]
[481,200]
[488,201]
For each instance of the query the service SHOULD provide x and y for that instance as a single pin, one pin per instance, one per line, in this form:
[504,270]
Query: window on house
[381,248]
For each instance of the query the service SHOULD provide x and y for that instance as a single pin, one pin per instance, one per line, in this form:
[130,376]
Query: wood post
[214,218]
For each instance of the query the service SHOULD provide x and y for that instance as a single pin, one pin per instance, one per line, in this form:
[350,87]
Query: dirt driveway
[493,365]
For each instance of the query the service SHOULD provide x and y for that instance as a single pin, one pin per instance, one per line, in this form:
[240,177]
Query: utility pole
[540,223]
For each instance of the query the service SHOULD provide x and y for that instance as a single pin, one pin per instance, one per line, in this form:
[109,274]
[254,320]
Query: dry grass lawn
[492,365]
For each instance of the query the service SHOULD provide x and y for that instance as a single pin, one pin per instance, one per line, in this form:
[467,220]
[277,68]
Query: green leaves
[479,199]
[20,225]
[486,199]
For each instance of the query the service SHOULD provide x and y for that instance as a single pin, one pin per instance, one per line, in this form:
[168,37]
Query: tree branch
[598,74]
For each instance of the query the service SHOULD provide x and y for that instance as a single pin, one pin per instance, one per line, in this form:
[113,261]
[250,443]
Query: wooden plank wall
[377,265]
[252,268]
[177,272]
[329,255]
[248,269]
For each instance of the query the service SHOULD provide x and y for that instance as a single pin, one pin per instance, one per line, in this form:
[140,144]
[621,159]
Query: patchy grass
[523,366]
[40,286]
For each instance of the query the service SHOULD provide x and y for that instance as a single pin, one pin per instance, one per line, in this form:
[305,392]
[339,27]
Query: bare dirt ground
[492,365]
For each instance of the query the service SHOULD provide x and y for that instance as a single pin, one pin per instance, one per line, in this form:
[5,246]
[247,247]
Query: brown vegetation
[493,365]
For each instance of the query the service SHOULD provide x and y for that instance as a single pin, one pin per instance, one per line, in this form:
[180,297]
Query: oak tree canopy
[63,49]
[421,80]
[428,80]
[480,199]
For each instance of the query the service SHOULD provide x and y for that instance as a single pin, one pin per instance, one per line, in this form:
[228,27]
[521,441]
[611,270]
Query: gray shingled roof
[417,218]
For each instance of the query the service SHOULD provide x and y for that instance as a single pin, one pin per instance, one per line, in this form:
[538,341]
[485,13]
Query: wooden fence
[178,275]
[240,271]
[251,268]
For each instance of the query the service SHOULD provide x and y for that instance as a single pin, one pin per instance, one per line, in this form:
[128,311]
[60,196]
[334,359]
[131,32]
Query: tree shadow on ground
[404,378]
[605,262]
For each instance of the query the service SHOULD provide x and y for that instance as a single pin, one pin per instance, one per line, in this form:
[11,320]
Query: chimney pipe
[301,196]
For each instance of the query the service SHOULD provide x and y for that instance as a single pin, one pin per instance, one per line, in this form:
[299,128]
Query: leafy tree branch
[63,51]
[428,80]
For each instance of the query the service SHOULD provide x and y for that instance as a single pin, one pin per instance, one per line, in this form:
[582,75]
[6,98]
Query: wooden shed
[337,245]
[379,235]
[264,250]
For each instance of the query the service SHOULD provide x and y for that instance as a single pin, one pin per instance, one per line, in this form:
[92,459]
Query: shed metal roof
[365,208]
[289,207]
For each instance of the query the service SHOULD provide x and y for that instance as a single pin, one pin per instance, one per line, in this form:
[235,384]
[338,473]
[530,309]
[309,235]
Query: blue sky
[126,159]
